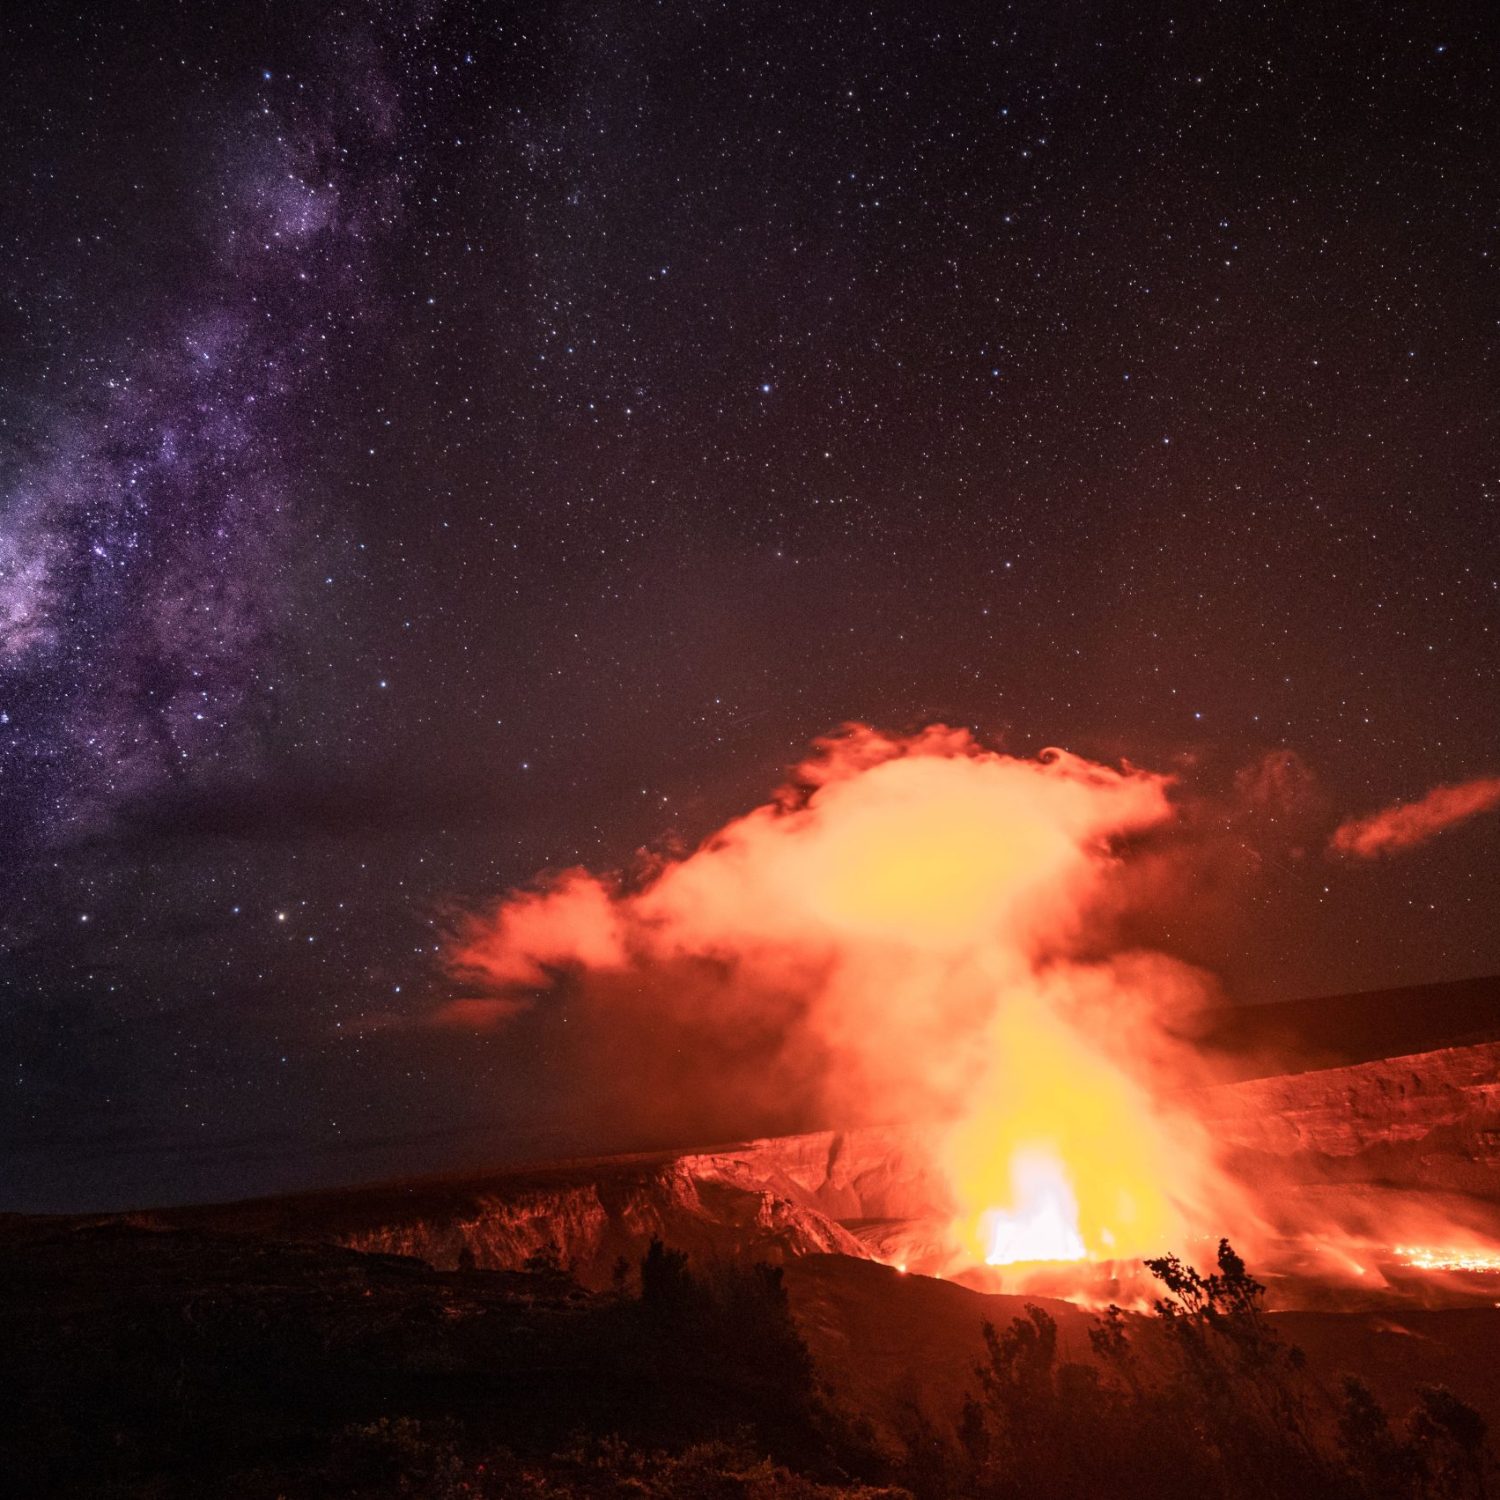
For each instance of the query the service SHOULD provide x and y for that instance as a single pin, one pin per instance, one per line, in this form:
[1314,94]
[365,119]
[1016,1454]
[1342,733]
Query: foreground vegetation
[1204,1399]
[164,1364]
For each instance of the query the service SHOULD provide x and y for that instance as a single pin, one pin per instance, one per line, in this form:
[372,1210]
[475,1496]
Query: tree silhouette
[1202,1398]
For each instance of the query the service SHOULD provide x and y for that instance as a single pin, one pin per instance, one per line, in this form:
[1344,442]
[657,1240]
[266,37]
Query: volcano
[1372,1156]
[449,1294]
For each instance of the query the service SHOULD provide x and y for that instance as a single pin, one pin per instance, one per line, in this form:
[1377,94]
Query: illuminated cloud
[1407,824]
[914,929]
[573,921]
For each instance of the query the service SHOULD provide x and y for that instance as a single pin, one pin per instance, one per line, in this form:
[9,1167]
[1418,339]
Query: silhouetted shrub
[722,1349]
[1203,1399]
[545,1261]
[667,1288]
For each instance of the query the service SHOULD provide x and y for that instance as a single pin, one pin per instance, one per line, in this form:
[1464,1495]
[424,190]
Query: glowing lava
[1448,1258]
[1066,1154]
[1042,1223]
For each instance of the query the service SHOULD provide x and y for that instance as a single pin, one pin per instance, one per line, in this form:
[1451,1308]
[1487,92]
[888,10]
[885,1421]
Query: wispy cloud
[1404,825]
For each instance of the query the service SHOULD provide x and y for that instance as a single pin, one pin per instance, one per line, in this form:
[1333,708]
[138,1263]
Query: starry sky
[441,442]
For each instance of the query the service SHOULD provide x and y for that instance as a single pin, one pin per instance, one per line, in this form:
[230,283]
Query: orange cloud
[914,928]
[572,921]
[1407,824]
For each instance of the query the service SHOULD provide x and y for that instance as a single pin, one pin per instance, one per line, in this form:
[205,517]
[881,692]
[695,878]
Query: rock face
[588,1225]
[881,1172]
[582,1215]
[1429,1122]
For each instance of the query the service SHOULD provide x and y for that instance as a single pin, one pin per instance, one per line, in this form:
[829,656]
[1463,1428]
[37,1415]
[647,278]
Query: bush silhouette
[721,1346]
[1202,1399]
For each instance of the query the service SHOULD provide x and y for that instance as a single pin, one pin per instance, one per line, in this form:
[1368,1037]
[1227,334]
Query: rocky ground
[263,1344]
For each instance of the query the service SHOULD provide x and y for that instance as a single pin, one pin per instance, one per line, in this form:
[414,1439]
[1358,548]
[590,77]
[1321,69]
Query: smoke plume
[1407,824]
[914,929]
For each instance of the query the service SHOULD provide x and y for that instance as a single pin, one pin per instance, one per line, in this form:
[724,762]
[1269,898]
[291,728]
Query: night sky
[442,443]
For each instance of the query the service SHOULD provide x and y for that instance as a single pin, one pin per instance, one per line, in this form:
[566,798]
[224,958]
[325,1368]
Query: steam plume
[1407,824]
[914,929]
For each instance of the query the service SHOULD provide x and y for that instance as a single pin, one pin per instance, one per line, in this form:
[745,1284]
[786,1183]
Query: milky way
[151,518]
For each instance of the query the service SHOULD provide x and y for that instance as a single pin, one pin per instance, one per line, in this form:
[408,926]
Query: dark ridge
[1329,1031]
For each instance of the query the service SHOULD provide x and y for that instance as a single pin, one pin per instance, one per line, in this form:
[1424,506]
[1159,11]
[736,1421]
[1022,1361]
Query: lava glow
[1448,1258]
[1069,1151]
[916,930]
[1041,1221]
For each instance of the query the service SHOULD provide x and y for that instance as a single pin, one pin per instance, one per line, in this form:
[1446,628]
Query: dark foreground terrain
[721,1323]
[147,1362]
[139,1362]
